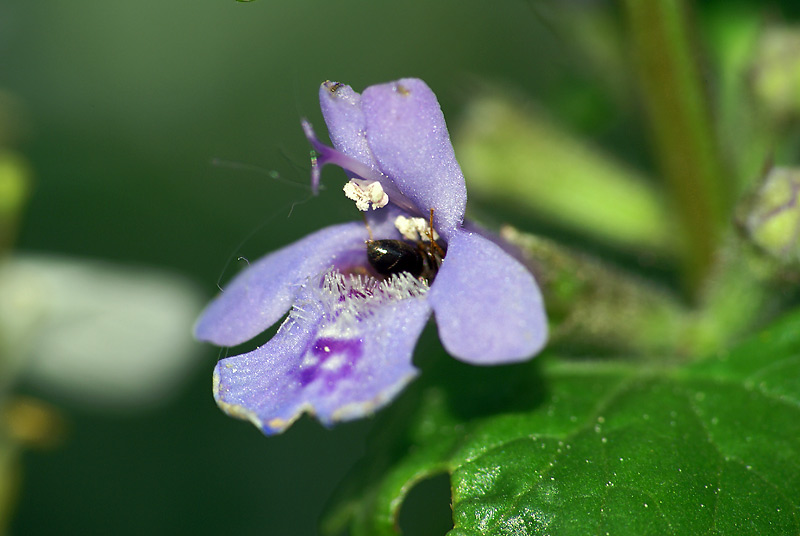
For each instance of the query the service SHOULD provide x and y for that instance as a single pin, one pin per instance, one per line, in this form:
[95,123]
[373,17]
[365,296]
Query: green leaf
[566,447]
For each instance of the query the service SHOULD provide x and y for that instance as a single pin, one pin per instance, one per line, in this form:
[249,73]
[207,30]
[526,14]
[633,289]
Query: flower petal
[408,136]
[332,358]
[341,108]
[488,307]
[264,291]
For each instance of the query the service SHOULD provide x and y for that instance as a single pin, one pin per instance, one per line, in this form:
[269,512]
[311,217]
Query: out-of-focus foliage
[776,72]
[520,158]
[773,219]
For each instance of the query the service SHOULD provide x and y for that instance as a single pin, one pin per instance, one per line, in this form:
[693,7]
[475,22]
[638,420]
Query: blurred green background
[128,113]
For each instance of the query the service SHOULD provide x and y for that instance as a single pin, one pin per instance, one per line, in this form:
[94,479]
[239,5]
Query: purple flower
[345,348]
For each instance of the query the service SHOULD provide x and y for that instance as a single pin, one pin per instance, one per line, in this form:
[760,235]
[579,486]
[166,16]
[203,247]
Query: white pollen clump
[366,193]
[415,228]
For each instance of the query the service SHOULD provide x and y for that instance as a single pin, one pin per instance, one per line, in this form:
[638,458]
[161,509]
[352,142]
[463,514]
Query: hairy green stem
[592,304]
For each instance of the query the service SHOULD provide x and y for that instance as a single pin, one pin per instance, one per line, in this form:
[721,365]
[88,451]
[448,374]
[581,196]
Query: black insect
[422,260]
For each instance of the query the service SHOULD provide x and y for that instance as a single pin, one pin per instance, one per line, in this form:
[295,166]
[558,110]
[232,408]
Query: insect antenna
[434,245]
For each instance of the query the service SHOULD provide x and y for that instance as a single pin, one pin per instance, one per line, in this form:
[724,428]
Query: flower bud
[773,220]
[776,72]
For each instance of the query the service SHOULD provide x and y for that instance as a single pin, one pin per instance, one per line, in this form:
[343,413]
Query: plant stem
[675,100]
[594,305]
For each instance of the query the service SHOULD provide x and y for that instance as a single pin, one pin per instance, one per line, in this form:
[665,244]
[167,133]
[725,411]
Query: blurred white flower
[98,333]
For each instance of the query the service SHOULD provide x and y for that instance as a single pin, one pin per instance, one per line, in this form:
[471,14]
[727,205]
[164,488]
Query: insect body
[390,257]
[422,260]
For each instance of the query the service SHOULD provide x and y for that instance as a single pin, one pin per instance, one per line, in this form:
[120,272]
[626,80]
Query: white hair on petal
[344,300]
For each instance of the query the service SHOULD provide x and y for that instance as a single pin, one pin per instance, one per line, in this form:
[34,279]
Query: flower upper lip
[397,132]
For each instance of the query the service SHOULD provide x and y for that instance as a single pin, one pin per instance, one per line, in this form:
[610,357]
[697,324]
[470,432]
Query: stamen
[366,193]
[416,229]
